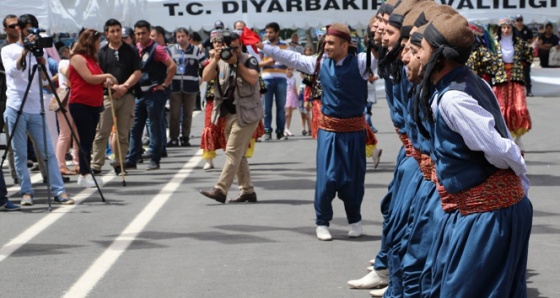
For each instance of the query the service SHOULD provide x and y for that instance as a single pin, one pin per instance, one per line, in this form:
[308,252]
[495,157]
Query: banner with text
[202,14]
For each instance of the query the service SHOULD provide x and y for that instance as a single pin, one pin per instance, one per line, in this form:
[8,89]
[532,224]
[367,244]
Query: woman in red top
[86,97]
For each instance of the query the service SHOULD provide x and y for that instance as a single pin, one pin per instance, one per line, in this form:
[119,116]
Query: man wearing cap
[527,35]
[128,36]
[237,98]
[341,138]
[122,61]
[481,243]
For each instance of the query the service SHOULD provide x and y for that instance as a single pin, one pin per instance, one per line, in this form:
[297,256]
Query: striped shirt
[278,70]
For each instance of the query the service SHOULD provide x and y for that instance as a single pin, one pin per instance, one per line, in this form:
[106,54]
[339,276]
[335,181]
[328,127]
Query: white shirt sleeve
[465,116]
[293,59]
[362,59]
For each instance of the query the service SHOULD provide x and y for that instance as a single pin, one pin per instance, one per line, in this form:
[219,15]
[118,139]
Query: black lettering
[521,3]
[293,5]
[466,3]
[535,4]
[258,5]
[331,4]
[507,5]
[230,7]
[193,12]
[496,4]
[244,6]
[171,7]
[312,5]
[375,4]
[348,3]
[275,5]
[364,4]
[480,4]
[553,3]
[444,2]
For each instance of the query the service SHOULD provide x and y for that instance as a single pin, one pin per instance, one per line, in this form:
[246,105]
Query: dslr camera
[227,38]
[36,47]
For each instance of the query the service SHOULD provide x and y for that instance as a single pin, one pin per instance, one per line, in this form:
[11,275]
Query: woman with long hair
[510,89]
[86,99]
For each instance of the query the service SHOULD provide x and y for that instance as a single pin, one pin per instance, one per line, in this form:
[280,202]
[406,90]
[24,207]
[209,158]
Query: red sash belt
[426,166]
[408,148]
[341,124]
[501,190]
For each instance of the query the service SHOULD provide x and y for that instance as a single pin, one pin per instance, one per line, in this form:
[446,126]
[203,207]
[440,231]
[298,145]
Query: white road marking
[45,222]
[105,261]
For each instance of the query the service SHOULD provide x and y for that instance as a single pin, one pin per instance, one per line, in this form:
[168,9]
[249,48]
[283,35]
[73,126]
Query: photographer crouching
[19,59]
[238,99]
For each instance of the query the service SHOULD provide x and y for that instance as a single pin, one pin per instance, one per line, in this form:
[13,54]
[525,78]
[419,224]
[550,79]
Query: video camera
[36,47]
[227,38]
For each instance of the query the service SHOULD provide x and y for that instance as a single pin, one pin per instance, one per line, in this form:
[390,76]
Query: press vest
[188,60]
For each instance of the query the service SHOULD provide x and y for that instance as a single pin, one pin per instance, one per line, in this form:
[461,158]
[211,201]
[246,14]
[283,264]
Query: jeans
[86,119]
[32,124]
[276,88]
[151,106]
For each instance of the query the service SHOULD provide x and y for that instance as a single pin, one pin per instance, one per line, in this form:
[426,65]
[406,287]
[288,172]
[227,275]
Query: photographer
[237,97]
[19,59]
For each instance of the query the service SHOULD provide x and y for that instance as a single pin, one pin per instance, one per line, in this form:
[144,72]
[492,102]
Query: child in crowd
[292,101]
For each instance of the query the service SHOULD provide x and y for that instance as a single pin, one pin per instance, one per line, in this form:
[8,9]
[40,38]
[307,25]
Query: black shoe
[214,194]
[96,172]
[185,142]
[173,143]
[68,157]
[252,198]
[129,165]
[118,170]
[164,154]
[281,137]
[153,166]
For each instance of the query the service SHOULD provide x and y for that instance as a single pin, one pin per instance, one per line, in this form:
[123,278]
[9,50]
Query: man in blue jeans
[157,73]
[18,75]
[274,76]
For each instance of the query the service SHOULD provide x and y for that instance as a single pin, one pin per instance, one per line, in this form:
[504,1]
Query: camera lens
[225,54]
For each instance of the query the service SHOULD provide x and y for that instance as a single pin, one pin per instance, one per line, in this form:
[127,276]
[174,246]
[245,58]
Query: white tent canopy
[71,15]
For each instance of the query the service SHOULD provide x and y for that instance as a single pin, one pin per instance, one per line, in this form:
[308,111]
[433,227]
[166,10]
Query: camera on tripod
[36,47]
[227,38]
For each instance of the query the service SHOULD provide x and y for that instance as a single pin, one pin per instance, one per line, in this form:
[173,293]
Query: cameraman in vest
[237,98]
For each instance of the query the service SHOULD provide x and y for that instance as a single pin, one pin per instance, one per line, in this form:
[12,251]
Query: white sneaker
[372,280]
[355,230]
[87,181]
[378,292]
[208,165]
[369,268]
[372,261]
[376,156]
[323,233]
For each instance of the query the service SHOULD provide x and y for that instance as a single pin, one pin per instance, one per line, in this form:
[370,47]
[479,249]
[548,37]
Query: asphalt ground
[158,237]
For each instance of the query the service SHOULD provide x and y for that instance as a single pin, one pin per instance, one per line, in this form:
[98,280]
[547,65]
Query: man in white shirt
[19,61]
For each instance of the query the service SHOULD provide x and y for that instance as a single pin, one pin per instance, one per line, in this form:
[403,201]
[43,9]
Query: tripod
[34,71]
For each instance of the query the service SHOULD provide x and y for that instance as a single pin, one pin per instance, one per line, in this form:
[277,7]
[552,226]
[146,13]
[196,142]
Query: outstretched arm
[289,58]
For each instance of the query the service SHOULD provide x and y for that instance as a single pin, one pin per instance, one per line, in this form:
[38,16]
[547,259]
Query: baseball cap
[127,32]
[219,25]
[519,17]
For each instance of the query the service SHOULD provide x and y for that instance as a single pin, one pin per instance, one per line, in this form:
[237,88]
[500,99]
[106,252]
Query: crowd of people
[456,216]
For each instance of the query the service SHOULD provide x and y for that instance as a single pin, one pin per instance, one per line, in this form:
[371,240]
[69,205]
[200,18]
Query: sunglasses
[12,26]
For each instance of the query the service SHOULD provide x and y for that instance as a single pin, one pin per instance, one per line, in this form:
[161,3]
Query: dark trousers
[527,75]
[86,119]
